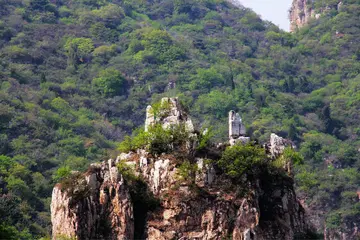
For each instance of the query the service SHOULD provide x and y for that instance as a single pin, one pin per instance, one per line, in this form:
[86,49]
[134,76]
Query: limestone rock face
[97,207]
[236,127]
[271,211]
[203,209]
[150,118]
[278,144]
[170,113]
[237,130]
[301,12]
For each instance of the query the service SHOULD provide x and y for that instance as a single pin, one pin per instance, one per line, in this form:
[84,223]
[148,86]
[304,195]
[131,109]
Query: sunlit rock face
[170,113]
[96,205]
[269,211]
[300,14]
[278,144]
[302,11]
[237,130]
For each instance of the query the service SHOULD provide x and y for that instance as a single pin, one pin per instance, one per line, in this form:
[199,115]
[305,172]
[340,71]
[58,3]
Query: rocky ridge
[99,204]
[302,11]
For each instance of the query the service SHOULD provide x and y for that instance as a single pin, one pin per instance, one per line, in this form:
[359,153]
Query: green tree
[8,232]
[62,173]
[5,164]
[101,32]
[110,82]
[205,79]
[78,50]
[110,14]
[104,53]
[242,159]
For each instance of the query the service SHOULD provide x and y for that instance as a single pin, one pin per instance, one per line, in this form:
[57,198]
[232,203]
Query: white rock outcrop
[278,144]
[237,130]
[302,11]
[300,14]
[170,113]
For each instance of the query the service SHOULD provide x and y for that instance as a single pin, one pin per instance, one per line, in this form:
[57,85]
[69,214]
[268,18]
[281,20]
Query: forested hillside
[75,77]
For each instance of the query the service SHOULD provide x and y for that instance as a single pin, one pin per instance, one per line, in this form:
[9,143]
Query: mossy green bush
[187,171]
[242,159]
[76,186]
[289,156]
[156,140]
[127,171]
[160,109]
[205,139]
[333,220]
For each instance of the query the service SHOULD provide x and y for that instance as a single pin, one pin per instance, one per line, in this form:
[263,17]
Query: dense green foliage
[289,156]
[239,160]
[127,171]
[76,75]
[186,172]
[157,140]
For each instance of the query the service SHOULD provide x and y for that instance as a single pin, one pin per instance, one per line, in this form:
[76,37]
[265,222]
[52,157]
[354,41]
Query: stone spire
[237,129]
[150,118]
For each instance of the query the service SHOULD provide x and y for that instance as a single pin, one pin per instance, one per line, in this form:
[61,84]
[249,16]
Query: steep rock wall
[205,209]
[302,11]
[300,14]
[269,211]
[155,198]
[94,205]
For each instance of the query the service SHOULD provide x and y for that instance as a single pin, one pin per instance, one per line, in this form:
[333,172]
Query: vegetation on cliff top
[75,77]
[157,140]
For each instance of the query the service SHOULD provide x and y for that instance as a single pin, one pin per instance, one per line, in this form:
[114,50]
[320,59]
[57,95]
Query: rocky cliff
[144,196]
[300,14]
[93,205]
[302,11]
[348,231]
